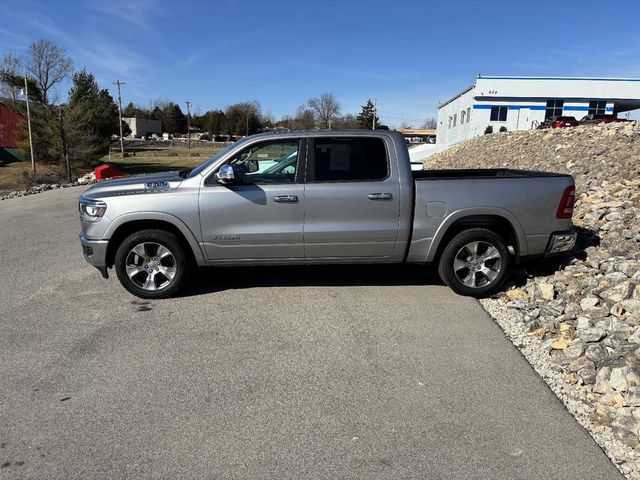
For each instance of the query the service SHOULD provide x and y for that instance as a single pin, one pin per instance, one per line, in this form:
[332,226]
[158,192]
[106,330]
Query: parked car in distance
[593,119]
[559,122]
[323,197]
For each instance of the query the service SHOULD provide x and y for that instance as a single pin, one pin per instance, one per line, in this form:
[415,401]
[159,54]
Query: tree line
[247,118]
[80,128]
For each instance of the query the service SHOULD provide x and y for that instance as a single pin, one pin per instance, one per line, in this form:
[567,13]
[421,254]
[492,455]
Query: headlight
[92,211]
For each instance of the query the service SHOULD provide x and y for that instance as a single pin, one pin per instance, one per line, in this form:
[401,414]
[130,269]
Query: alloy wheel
[151,266]
[477,264]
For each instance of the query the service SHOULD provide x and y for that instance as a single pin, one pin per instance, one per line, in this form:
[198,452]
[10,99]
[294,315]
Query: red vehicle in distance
[593,119]
[559,122]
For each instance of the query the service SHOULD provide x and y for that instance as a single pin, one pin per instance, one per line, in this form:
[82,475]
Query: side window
[554,108]
[499,114]
[349,159]
[597,107]
[268,162]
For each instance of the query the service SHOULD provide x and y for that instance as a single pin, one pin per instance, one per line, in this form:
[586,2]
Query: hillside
[580,325]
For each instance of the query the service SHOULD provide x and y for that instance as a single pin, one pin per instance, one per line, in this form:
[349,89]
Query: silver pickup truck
[323,197]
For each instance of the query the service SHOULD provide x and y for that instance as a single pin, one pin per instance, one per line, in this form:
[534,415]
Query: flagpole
[26,91]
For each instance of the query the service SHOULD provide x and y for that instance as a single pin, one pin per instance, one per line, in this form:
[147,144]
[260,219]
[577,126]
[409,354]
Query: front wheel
[152,264]
[475,262]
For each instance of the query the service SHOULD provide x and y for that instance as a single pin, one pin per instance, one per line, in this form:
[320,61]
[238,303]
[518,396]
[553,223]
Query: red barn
[9,132]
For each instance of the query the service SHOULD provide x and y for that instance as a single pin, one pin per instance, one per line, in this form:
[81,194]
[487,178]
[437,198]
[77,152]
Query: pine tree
[366,116]
[173,120]
[130,111]
[90,117]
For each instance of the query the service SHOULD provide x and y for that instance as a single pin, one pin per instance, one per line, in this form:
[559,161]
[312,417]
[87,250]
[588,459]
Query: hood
[135,185]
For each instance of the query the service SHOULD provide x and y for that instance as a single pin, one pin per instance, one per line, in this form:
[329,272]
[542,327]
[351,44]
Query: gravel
[84,180]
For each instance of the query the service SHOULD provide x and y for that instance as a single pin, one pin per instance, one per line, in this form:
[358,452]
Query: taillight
[568,200]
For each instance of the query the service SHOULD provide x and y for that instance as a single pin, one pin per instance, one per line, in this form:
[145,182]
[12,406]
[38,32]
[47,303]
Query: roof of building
[141,118]
[5,101]
[534,78]
[458,95]
[597,79]
[418,131]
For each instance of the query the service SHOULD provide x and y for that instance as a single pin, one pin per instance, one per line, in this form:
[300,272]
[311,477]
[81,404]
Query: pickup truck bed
[323,197]
[518,202]
[467,173]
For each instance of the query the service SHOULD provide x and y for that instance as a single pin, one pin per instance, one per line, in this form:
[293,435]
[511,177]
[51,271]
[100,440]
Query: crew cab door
[259,217]
[352,199]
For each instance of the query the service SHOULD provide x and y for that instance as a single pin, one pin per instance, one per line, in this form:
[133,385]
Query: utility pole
[247,134]
[373,123]
[26,94]
[118,83]
[188,123]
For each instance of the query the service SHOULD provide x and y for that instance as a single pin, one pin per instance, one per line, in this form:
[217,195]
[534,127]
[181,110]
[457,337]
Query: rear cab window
[348,159]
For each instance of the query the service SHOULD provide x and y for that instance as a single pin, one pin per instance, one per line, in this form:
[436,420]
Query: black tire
[475,274]
[177,263]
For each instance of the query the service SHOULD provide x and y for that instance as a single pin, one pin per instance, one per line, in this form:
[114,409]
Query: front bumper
[95,252]
[561,242]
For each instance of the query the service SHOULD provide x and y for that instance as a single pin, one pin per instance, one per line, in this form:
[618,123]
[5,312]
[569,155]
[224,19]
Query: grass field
[147,159]
[155,159]
[17,175]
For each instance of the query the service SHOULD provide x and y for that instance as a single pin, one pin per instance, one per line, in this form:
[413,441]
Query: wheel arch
[128,224]
[500,221]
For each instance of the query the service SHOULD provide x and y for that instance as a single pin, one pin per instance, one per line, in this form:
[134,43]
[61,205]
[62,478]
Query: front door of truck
[352,201]
[260,216]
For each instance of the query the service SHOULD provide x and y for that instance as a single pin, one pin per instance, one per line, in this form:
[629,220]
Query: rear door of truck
[351,198]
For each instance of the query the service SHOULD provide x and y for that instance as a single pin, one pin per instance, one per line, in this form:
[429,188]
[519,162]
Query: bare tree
[268,119]
[430,123]
[348,121]
[10,72]
[49,65]
[305,118]
[326,108]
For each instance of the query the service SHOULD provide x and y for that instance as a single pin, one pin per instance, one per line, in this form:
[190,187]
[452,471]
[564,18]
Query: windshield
[203,166]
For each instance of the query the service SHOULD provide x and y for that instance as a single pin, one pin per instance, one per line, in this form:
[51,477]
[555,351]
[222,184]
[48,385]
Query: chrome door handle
[285,198]
[380,196]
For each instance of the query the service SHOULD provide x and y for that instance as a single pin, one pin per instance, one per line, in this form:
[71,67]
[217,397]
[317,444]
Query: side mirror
[225,175]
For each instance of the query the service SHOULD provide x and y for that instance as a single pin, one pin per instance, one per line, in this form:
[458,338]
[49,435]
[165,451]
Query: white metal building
[143,127]
[521,103]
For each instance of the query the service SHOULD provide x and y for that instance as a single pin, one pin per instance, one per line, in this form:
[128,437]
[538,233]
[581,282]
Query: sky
[408,55]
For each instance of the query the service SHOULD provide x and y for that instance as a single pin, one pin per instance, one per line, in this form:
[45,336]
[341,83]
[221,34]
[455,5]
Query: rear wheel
[475,262]
[152,264]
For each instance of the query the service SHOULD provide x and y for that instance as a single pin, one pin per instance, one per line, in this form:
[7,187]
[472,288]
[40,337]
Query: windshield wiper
[184,173]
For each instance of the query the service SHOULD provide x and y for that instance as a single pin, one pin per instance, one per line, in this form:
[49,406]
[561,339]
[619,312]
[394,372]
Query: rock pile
[84,180]
[580,325]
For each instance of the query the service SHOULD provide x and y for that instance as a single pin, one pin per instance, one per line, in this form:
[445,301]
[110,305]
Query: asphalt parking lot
[327,372]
